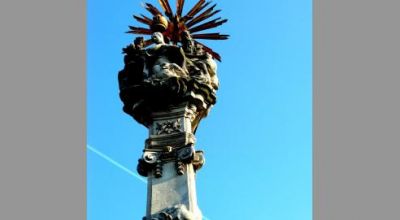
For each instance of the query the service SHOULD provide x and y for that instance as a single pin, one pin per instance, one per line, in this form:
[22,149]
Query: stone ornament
[168,127]
[154,160]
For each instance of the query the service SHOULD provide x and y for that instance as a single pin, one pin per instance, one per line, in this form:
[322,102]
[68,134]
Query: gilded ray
[203,16]
[195,7]
[166,7]
[143,19]
[179,7]
[208,25]
[209,50]
[211,36]
[138,30]
[153,10]
[190,16]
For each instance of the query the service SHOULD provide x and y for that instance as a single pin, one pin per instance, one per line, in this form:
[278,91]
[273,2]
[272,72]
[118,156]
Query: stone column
[170,162]
[173,196]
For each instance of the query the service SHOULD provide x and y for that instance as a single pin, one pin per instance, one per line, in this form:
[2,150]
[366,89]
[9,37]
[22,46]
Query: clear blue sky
[257,139]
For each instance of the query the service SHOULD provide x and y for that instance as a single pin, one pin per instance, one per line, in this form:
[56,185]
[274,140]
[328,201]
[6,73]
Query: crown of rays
[178,23]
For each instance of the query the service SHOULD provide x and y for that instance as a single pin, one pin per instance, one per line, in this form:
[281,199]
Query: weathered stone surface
[172,196]
[171,138]
[170,161]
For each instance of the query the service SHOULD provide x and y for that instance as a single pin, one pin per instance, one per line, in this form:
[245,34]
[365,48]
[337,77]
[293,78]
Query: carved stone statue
[134,64]
[165,60]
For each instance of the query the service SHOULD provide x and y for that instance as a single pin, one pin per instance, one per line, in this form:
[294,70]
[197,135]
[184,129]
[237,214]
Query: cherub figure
[165,60]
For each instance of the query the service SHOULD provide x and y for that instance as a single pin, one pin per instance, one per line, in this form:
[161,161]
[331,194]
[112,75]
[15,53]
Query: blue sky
[258,137]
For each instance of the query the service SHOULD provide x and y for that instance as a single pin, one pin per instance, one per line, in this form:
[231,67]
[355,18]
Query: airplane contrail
[115,163]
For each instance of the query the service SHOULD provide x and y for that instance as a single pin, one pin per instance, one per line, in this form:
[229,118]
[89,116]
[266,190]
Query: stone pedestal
[173,196]
[169,161]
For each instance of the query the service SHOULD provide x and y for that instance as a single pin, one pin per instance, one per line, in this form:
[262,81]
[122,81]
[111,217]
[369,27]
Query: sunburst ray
[195,12]
[153,10]
[143,19]
[211,36]
[195,7]
[138,30]
[179,7]
[192,22]
[209,50]
[208,25]
[166,7]
[203,16]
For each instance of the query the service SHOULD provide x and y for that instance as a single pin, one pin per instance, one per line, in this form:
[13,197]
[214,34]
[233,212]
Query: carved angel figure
[165,60]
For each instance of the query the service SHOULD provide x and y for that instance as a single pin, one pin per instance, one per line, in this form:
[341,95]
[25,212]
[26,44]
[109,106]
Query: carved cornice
[153,160]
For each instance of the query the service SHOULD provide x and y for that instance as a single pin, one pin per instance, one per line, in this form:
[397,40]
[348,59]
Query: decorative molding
[175,140]
[152,161]
[168,127]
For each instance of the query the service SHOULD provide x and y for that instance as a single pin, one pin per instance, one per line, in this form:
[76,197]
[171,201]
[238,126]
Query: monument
[168,84]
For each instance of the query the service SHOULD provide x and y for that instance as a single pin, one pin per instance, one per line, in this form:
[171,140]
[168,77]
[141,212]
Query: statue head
[139,42]
[157,38]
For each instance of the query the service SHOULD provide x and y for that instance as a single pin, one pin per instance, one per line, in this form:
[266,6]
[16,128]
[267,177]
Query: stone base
[172,197]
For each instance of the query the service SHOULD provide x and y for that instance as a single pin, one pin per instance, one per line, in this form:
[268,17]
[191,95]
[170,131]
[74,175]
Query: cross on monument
[168,84]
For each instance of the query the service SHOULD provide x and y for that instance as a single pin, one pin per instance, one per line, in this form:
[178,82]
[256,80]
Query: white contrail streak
[120,166]
[115,163]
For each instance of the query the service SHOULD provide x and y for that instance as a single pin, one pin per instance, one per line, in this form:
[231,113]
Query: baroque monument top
[171,65]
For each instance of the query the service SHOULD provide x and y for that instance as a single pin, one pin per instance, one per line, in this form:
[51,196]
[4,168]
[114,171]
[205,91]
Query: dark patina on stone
[154,79]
